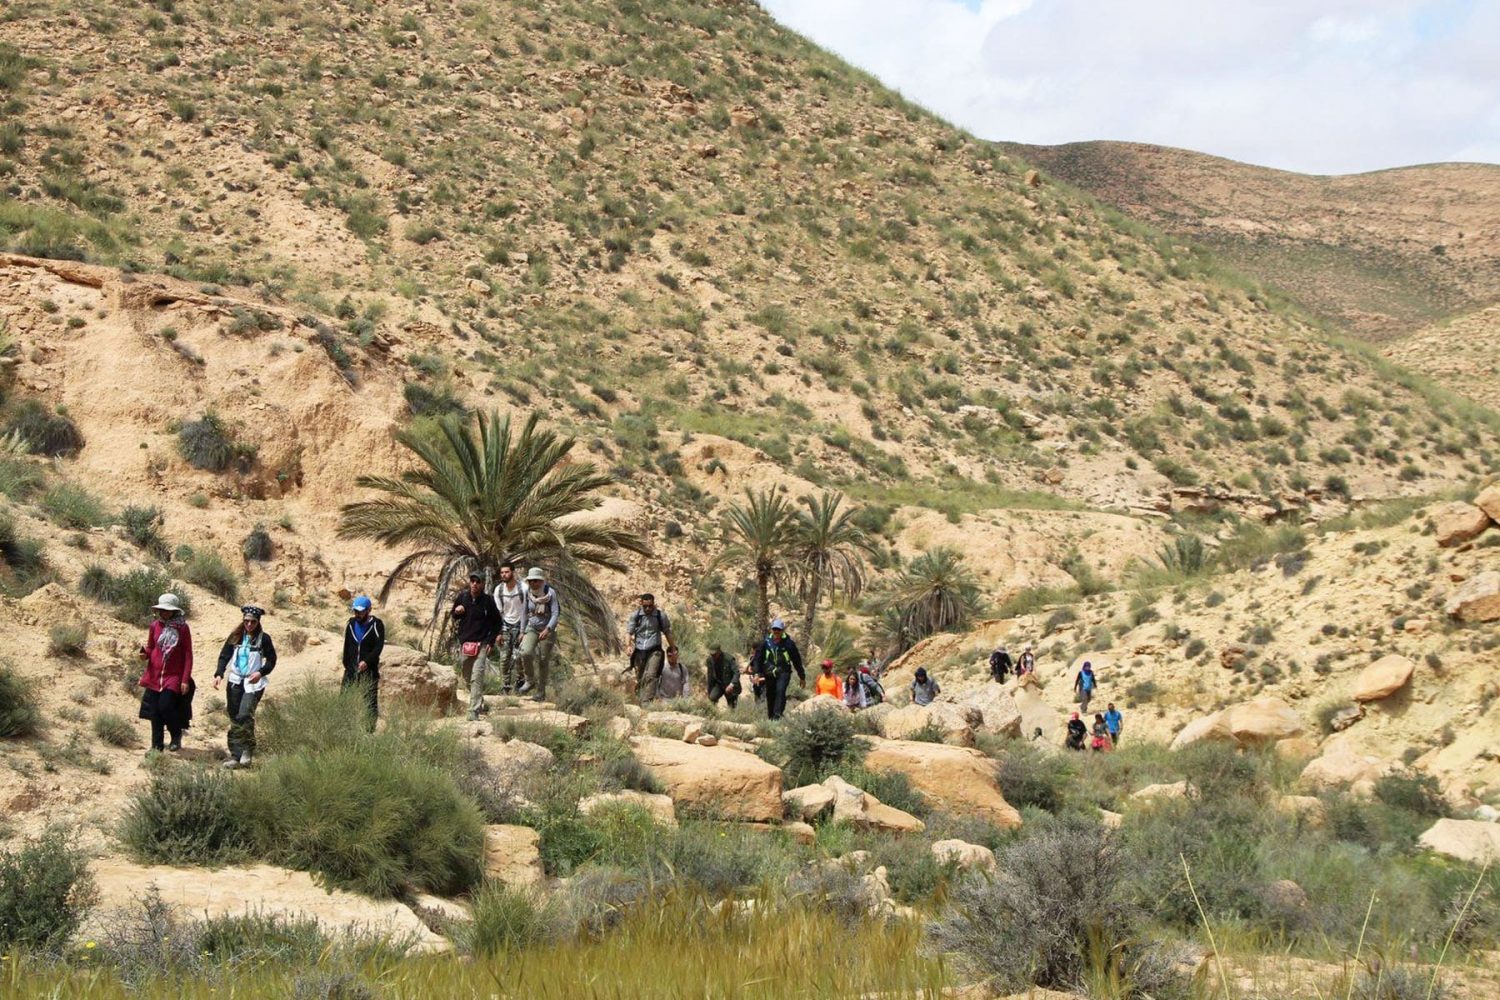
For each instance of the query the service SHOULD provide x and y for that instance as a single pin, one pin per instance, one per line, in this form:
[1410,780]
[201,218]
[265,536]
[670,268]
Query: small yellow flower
[91,944]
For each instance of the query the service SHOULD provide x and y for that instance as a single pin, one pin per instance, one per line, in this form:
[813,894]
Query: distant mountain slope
[1461,353]
[660,218]
[1381,253]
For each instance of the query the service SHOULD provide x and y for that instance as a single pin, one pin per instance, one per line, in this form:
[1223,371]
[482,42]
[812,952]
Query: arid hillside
[680,219]
[1382,254]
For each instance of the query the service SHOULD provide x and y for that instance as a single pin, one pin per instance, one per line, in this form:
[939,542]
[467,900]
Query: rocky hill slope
[1381,253]
[682,220]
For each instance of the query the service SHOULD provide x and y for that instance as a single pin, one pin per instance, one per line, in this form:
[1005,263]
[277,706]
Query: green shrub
[257,545]
[19,478]
[1413,792]
[209,570]
[313,718]
[186,816]
[815,746]
[19,715]
[68,639]
[365,820]
[928,732]
[891,787]
[45,890]
[132,594]
[721,859]
[23,555]
[114,729]
[207,444]
[143,526]
[45,432]
[1031,776]
[627,773]
[73,507]
[504,920]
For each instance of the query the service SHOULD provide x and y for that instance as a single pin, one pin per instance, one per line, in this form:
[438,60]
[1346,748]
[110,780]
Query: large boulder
[998,714]
[809,803]
[513,855]
[1470,840]
[661,808]
[225,892]
[1458,522]
[964,854]
[1477,600]
[1210,728]
[406,675]
[1489,501]
[955,722]
[1036,713]
[1383,678]
[1262,721]
[542,715]
[719,780]
[959,779]
[859,808]
[820,703]
[1340,766]
[1156,793]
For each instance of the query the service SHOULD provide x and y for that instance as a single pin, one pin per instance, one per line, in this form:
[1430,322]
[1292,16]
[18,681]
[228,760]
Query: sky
[1318,86]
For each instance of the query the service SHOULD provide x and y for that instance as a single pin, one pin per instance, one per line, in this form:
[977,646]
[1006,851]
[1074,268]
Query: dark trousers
[241,709]
[730,694]
[369,683]
[159,731]
[776,695]
[647,664]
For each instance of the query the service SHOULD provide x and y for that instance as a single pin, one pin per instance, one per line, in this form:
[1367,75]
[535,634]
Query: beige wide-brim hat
[535,573]
[167,602]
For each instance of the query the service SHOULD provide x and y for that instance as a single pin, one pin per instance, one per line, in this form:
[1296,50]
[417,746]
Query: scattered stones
[1153,793]
[1477,600]
[512,855]
[1346,717]
[1233,655]
[861,809]
[1470,840]
[721,780]
[1383,678]
[1340,766]
[1458,522]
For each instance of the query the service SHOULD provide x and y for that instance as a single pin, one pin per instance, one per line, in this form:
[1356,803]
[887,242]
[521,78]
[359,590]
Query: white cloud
[1325,86]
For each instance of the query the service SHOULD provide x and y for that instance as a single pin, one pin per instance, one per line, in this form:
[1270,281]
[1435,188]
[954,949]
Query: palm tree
[826,551]
[475,502]
[761,532]
[935,592]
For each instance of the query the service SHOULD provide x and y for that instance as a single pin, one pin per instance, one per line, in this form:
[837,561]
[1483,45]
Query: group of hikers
[512,629]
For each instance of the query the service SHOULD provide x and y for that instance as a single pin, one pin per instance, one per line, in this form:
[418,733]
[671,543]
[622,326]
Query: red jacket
[170,663]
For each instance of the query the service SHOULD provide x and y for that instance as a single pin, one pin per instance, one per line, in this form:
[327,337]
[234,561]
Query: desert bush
[23,554]
[1055,903]
[590,700]
[835,888]
[929,732]
[143,526]
[45,890]
[891,787]
[114,729]
[721,859]
[186,816]
[19,714]
[209,570]
[73,507]
[313,718]
[257,544]
[1414,792]
[815,746]
[131,594]
[45,432]
[68,639]
[915,875]
[625,772]
[599,897]
[501,796]
[1385,981]
[19,478]
[505,920]
[206,444]
[365,820]
[1030,776]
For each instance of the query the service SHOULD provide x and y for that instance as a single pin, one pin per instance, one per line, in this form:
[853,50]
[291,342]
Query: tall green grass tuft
[19,714]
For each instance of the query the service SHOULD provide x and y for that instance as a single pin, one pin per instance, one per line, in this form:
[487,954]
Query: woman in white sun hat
[167,701]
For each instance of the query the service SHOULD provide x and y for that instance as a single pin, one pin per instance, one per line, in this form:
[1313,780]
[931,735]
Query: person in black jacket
[722,676]
[775,659]
[248,657]
[364,639]
[478,624]
[1000,664]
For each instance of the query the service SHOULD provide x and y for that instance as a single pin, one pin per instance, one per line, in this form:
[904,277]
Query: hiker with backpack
[364,641]
[167,701]
[1114,723]
[1100,742]
[775,658]
[539,637]
[478,624]
[673,682]
[1085,684]
[1077,733]
[248,657]
[1027,663]
[923,688]
[1000,664]
[510,600]
[649,629]
[854,692]
[874,693]
[721,676]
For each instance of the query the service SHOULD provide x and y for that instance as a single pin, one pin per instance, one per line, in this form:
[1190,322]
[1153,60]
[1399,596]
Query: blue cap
[778,624]
[361,603]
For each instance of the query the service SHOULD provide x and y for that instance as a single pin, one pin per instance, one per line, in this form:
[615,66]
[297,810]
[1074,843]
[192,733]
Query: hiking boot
[245,759]
[484,708]
[525,686]
[230,764]
[539,697]
[174,747]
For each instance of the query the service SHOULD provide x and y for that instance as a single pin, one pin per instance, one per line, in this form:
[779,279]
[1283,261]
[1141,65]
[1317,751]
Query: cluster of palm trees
[482,493]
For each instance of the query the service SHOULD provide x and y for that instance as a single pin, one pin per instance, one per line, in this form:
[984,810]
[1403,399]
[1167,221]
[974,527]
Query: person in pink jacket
[167,701]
